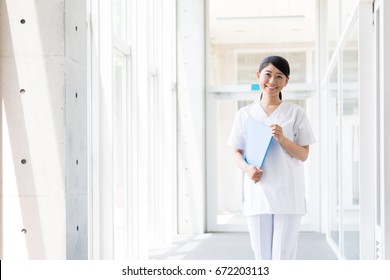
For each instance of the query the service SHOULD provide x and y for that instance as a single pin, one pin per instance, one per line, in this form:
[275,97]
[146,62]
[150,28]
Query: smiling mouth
[271,87]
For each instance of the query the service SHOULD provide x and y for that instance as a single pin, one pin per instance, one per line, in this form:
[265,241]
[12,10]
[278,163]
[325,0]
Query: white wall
[384,103]
[33,129]
[367,130]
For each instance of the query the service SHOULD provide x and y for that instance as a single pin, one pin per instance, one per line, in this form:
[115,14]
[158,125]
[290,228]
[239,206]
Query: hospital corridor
[116,114]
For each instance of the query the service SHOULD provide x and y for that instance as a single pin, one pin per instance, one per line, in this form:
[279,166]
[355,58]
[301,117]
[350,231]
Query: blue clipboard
[258,141]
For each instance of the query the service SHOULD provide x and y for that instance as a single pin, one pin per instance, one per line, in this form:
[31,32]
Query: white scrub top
[281,189]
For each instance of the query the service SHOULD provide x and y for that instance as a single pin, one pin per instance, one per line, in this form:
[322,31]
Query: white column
[322,138]
[191,116]
[140,120]
[367,173]
[103,139]
[385,132]
[162,90]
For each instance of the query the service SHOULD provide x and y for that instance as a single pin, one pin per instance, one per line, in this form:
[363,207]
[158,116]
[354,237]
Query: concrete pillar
[32,86]
[76,130]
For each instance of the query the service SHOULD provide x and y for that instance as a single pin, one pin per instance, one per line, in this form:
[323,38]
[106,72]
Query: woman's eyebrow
[269,71]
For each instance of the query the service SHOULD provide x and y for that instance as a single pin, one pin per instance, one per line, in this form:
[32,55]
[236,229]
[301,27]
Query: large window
[120,93]
[133,128]
[343,131]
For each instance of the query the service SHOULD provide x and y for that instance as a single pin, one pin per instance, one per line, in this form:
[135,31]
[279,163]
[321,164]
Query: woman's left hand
[277,132]
[296,151]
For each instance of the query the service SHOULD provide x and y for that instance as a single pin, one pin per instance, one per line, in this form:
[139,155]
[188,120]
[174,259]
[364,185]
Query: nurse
[274,195]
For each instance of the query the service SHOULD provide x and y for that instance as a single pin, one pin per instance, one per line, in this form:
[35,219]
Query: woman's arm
[296,151]
[253,172]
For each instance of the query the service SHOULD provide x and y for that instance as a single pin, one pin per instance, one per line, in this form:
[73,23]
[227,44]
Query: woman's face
[271,80]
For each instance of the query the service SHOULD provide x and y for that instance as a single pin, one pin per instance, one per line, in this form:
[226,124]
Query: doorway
[235,48]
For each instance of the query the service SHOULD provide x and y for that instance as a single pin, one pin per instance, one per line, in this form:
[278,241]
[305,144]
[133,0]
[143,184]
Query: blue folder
[258,141]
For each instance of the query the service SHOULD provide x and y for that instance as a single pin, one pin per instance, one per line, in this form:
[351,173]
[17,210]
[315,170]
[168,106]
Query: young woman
[274,196]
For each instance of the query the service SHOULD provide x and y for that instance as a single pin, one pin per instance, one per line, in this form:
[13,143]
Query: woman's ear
[257,74]
[287,79]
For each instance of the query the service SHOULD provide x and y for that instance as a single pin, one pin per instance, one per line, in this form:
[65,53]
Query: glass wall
[119,160]
[120,92]
[132,127]
[343,128]
[332,25]
[337,15]
[334,156]
[350,146]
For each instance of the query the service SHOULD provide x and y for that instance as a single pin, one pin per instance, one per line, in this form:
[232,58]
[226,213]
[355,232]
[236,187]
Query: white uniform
[281,189]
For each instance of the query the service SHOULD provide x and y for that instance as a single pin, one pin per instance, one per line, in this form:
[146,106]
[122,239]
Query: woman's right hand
[254,173]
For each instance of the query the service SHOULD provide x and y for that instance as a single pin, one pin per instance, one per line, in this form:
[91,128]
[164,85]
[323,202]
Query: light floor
[236,246]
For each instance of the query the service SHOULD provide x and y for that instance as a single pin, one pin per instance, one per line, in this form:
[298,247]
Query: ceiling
[269,22]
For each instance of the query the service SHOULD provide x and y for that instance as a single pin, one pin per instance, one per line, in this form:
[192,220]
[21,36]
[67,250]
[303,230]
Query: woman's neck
[273,101]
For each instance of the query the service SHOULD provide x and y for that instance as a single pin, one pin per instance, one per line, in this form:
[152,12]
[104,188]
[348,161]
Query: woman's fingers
[277,132]
[256,174]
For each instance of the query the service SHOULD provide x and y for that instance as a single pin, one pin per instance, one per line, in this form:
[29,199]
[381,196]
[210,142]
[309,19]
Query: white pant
[274,236]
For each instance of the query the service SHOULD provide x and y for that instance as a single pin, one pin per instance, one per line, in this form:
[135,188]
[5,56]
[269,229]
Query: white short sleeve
[303,133]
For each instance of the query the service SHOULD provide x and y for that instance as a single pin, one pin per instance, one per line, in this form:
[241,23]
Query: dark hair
[280,63]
